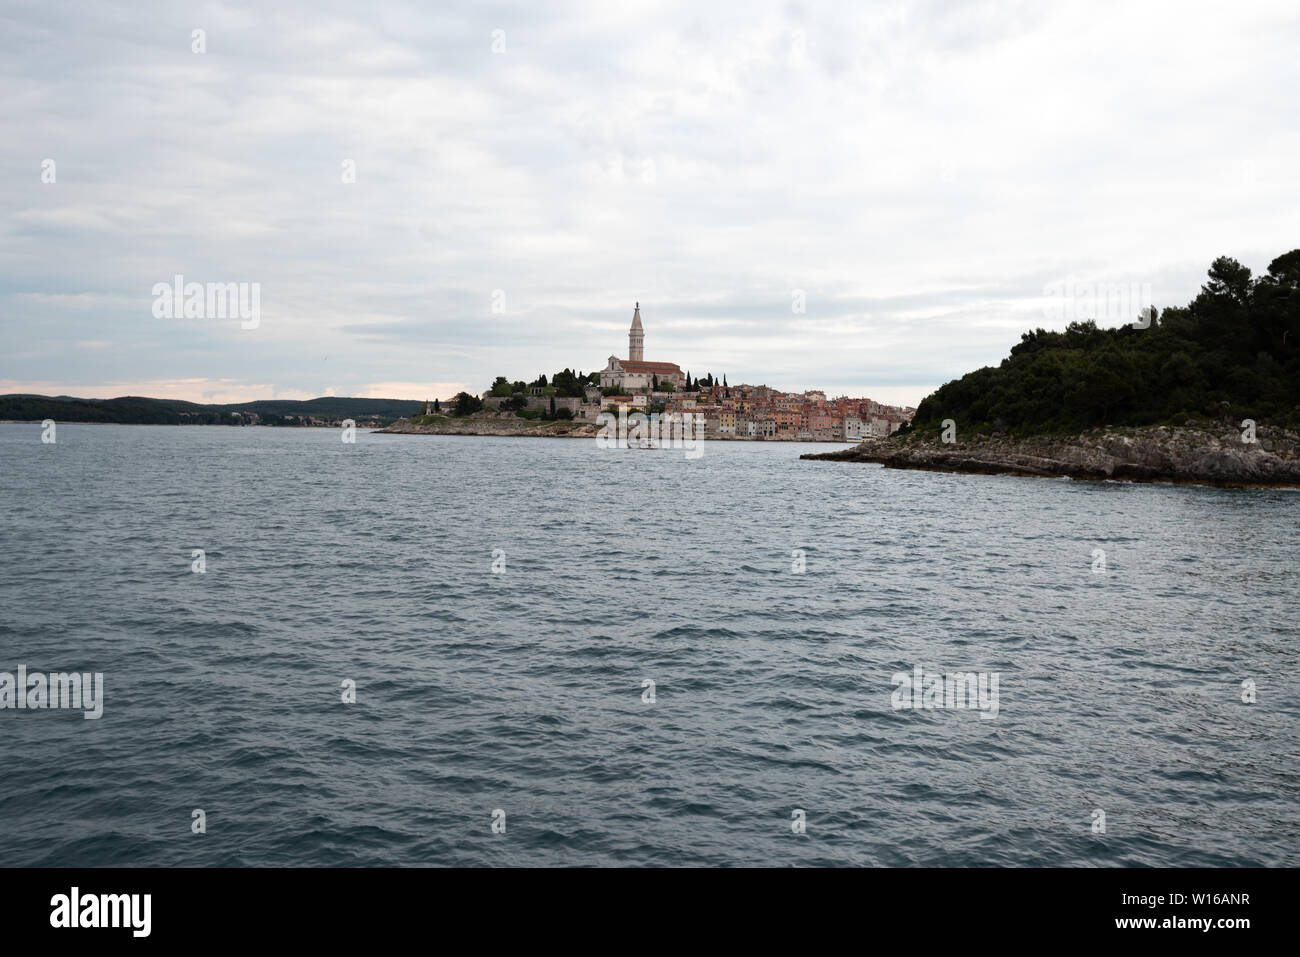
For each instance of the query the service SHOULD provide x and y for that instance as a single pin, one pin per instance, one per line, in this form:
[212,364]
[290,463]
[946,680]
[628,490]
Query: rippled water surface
[523,691]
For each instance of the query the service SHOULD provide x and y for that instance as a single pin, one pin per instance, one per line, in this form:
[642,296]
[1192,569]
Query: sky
[865,198]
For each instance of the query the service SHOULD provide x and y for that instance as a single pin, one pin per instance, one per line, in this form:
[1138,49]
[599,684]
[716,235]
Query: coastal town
[634,385]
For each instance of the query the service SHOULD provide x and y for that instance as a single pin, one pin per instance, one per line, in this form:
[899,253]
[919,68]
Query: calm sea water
[523,691]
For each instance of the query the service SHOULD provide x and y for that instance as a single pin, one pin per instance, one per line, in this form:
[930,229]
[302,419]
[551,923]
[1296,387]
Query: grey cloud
[920,170]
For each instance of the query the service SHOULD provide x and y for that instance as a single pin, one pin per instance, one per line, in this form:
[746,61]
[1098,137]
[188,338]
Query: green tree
[1230,279]
[567,384]
[467,404]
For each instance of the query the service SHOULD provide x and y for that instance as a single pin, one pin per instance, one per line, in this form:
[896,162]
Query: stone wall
[581,410]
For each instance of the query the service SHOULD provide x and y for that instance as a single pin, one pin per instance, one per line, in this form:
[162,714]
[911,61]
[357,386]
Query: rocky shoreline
[558,429]
[514,427]
[1192,454]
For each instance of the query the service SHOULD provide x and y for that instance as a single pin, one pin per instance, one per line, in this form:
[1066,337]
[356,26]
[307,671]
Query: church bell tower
[636,337]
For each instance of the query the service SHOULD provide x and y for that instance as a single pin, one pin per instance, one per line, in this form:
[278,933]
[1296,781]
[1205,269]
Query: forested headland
[1232,352]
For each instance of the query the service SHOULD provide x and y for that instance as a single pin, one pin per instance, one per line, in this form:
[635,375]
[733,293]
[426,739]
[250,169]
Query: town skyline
[660,391]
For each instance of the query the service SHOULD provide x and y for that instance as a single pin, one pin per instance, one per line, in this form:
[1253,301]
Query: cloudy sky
[919,173]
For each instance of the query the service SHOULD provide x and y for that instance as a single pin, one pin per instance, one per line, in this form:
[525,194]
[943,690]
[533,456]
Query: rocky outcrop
[1193,454]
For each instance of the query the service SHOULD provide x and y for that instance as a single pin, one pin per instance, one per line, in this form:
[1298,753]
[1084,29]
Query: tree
[1277,300]
[654,383]
[1285,270]
[467,404]
[569,385]
[501,386]
[1229,278]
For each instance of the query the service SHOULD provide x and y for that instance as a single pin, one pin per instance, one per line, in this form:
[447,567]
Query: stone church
[634,374]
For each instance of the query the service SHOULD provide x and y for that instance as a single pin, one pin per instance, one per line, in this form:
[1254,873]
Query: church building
[634,374]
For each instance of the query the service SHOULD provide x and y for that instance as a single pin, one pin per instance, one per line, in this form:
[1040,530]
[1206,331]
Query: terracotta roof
[630,365]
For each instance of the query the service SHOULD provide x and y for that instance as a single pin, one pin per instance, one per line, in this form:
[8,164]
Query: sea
[478,651]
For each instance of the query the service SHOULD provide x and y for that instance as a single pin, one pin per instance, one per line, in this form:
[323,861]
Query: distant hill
[137,410]
[1234,351]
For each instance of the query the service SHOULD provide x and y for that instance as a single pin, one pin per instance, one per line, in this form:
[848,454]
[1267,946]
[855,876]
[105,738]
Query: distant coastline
[325,411]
